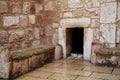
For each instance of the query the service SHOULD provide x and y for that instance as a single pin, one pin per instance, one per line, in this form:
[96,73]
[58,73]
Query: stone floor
[72,69]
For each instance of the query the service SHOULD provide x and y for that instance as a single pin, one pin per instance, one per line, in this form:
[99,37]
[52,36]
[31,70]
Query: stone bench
[16,63]
[108,57]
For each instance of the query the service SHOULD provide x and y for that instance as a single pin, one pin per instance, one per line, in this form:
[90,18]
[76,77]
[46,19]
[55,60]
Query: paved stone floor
[72,69]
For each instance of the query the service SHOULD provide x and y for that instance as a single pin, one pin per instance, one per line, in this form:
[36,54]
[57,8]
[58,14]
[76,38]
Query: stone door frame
[76,23]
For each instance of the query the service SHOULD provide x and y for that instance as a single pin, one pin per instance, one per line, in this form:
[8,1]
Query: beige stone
[75,4]
[50,5]
[3,36]
[95,23]
[23,20]
[67,14]
[73,22]
[38,8]
[36,43]
[106,32]
[32,19]
[86,78]
[26,7]
[3,7]
[37,33]
[88,38]
[16,7]
[108,12]
[10,21]
[118,10]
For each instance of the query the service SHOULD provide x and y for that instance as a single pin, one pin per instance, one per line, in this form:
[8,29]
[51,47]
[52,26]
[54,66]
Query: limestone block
[17,67]
[32,19]
[118,32]
[16,35]
[103,1]
[88,38]
[79,12]
[36,44]
[16,7]
[75,4]
[96,35]
[73,22]
[24,67]
[4,62]
[118,14]
[26,7]
[108,12]
[95,23]
[10,21]
[3,36]
[50,5]
[26,44]
[3,7]
[48,30]
[29,34]
[55,25]
[96,3]
[15,45]
[55,39]
[23,20]
[49,39]
[107,33]
[38,8]
[37,33]
[67,14]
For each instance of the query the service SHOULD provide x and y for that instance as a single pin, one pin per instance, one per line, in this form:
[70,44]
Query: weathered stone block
[3,7]
[55,39]
[107,33]
[4,63]
[104,1]
[38,8]
[16,7]
[26,44]
[23,20]
[75,4]
[32,19]
[96,35]
[72,22]
[48,30]
[67,14]
[118,14]
[108,12]
[17,67]
[95,23]
[3,36]
[26,7]
[88,38]
[10,21]
[50,5]
[36,44]
[16,35]
[37,33]
[24,67]
[55,25]
[29,34]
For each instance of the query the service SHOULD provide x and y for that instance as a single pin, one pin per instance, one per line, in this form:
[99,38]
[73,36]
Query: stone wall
[31,23]
[27,23]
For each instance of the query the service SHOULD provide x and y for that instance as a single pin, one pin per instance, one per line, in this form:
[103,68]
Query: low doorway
[75,40]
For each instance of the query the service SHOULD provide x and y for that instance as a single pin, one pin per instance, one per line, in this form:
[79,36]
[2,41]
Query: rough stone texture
[108,12]
[96,35]
[118,14]
[95,23]
[26,7]
[50,5]
[73,22]
[36,44]
[16,7]
[23,20]
[3,7]
[75,4]
[67,14]
[10,21]
[106,32]
[4,63]
[37,33]
[3,36]
[32,19]
[38,8]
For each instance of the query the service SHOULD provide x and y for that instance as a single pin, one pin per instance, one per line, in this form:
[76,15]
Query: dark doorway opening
[77,38]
